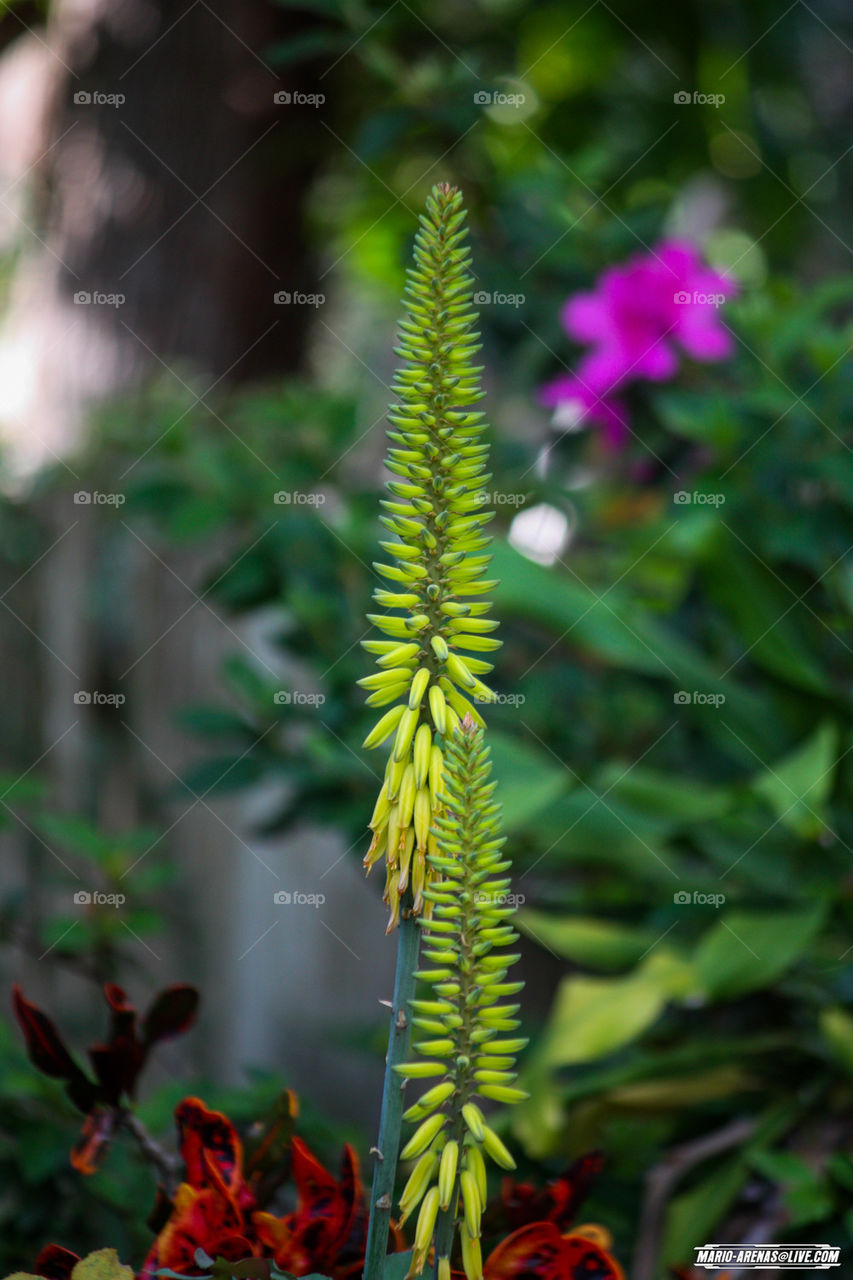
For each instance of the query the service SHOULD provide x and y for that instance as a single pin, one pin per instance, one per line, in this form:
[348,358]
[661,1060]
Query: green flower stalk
[436,624]
[469,1045]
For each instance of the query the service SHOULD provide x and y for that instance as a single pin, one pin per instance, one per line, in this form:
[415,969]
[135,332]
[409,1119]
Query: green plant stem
[444,1229]
[390,1121]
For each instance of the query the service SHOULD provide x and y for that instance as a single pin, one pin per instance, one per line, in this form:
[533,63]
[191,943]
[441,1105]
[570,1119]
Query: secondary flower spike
[435,620]
[469,1032]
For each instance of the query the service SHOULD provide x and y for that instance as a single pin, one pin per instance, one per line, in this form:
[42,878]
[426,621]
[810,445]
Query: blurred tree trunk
[166,179]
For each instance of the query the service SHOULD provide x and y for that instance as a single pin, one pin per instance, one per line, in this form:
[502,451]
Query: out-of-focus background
[205,213]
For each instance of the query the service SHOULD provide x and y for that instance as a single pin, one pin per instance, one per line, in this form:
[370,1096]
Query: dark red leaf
[172,1012]
[558,1201]
[55,1263]
[48,1053]
[116,1065]
[123,1020]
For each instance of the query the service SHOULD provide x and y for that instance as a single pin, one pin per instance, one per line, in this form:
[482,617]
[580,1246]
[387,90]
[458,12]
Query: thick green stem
[388,1143]
[444,1229]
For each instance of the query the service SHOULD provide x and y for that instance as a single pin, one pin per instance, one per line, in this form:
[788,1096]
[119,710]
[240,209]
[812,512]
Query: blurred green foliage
[685,665]
[677,724]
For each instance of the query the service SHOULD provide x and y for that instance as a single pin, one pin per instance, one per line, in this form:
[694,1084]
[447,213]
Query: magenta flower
[639,316]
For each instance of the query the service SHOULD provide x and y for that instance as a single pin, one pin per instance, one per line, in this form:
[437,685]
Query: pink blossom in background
[636,322]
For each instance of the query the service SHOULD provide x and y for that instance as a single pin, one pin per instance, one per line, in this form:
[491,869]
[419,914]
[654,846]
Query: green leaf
[806,1196]
[529,780]
[706,418]
[773,629]
[246,1269]
[600,944]
[214,722]
[593,1017]
[102,1265]
[617,630]
[668,1092]
[745,951]
[397,1265]
[797,788]
[692,1216]
[836,1026]
[662,794]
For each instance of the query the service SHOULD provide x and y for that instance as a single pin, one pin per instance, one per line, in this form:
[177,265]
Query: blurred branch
[661,1180]
[168,1166]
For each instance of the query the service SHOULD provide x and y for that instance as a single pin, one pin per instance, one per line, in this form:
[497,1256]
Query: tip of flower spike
[446,188]
[469,724]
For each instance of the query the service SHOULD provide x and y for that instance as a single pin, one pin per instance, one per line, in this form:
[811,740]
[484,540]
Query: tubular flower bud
[433,617]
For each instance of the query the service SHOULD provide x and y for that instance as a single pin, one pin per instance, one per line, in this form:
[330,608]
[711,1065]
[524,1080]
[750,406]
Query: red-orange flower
[211,1209]
[539,1251]
[326,1232]
[217,1207]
